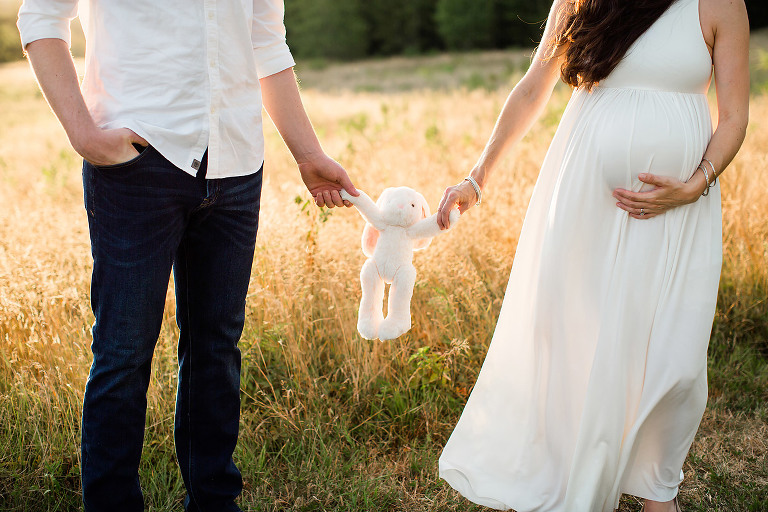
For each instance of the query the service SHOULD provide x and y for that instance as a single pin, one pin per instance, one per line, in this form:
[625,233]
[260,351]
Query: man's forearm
[322,175]
[281,98]
[55,72]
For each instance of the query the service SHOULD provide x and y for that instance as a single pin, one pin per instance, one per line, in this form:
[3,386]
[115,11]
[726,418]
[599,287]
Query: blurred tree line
[352,29]
[758,13]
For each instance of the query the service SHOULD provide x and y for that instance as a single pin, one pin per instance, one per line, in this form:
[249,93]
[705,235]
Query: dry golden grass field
[330,421]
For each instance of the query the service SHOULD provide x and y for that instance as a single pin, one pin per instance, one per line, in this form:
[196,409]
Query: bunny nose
[401,206]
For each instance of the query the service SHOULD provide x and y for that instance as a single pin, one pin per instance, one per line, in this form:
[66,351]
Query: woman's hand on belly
[667,193]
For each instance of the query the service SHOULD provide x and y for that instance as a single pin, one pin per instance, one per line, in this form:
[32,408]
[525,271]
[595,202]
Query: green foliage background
[354,29]
[350,29]
[345,29]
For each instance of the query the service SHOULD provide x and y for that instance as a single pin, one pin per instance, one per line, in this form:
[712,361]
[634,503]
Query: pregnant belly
[638,131]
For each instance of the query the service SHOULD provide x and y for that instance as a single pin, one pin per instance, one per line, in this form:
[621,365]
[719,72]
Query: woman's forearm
[731,71]
[726,141]
[722,148]
[523,106]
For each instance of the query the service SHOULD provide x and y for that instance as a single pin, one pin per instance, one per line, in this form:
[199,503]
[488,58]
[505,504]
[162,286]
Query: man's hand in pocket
[109,147]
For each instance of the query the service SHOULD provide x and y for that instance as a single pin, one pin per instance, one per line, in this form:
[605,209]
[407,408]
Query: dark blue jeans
[147,217]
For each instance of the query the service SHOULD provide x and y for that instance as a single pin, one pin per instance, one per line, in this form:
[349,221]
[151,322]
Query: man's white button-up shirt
[182,74]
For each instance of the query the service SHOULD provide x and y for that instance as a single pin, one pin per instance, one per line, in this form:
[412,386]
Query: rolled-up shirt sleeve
[270,49]
[44,19]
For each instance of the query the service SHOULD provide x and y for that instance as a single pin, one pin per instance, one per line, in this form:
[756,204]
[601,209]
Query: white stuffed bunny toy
[396,225]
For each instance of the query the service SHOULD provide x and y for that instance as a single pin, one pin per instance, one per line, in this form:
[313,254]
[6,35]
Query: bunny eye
[413,205]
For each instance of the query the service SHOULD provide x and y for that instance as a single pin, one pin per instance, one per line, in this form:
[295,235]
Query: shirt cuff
[34,26]
[273,59]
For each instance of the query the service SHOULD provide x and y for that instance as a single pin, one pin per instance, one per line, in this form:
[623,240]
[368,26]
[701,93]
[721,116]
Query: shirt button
[213,110]
[213,63]
[210,15]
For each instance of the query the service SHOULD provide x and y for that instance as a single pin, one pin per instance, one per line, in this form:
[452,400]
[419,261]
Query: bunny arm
[367,208]
[428,228]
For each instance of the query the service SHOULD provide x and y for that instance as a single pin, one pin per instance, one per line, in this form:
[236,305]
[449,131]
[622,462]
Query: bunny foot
[368,332]
[368,328]
[392,328]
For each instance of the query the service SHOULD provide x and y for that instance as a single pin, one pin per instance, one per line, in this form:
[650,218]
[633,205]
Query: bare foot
[660,506]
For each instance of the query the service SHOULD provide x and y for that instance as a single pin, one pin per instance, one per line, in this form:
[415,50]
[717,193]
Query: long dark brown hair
[596,34]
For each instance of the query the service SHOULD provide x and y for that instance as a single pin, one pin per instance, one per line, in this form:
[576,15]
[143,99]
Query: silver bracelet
[706,177]
[475,186]
[714,172]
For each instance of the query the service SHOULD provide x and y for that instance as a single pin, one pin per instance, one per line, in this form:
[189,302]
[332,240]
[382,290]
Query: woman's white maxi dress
[595,380]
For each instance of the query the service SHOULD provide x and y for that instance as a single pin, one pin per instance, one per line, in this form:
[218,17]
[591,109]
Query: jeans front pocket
[143,151]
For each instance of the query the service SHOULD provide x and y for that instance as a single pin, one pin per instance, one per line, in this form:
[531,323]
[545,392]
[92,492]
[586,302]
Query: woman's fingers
[443,199]
[638,204]
[627,195]
[631,209]
[451,198]
[640,213]
[656,180]
[461,196]
[668,193]
[444,209]
[664,202]
[658,198]
[643,217]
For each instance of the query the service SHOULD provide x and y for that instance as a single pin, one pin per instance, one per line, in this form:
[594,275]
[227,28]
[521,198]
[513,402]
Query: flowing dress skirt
[595,380]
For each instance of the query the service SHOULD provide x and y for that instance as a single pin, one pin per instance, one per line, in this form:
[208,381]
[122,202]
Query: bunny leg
[370,315]
[398,320]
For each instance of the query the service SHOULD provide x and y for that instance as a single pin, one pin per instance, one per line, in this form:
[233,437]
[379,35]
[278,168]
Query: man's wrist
[311,159]
[84,137]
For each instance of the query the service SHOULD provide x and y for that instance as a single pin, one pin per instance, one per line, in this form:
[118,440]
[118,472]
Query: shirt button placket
[214,78]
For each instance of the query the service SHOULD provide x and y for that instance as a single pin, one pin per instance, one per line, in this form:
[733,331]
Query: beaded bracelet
[475,186]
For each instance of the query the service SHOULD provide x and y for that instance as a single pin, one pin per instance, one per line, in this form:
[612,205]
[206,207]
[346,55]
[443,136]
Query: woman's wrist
[696,185]
[479,174]
[476,188]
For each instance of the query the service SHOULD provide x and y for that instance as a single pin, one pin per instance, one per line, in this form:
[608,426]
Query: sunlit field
[331,421]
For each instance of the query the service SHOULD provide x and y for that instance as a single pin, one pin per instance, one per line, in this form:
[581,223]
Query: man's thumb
[347,185]
[136,139]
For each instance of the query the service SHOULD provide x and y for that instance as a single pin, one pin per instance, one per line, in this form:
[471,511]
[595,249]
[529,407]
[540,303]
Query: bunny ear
[423,243]
[383,197]
[370,238]
[425,212]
